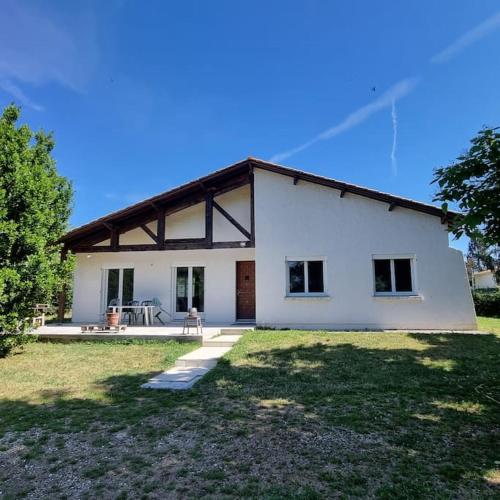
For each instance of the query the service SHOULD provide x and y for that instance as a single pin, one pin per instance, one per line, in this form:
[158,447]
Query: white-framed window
[305,277]
[394,275]
[117,286]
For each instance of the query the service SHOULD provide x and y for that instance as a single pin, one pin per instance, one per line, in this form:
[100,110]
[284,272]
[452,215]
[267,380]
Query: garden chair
[39,313]
[141,312]
[132,313]
[159,310]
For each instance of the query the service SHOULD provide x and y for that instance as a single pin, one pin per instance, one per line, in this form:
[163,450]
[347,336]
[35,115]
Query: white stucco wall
[308,220]
[187,223]
[237,204]
[137,236]
[190,223]
[153,278]
[104,243]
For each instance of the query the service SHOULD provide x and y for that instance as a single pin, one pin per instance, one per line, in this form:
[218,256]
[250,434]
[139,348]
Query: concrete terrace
[67,332]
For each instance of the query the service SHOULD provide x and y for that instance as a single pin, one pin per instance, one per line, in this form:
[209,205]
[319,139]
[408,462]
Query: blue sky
[143,96]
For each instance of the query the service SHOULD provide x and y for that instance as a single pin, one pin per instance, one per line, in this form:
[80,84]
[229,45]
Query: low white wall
[153,278]
[484,279]
[309,220]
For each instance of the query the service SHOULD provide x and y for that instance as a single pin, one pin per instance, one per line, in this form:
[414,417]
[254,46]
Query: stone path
[194,365]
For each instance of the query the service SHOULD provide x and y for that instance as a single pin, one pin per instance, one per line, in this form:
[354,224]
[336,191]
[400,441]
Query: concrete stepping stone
[204,357]
[221,341]
[176,378]
[234,330]
[193,365]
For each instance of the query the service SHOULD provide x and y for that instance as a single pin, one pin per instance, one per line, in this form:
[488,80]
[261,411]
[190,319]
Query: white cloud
[472,36]
[396,92]
[38,47]
[394,162]
[12,89]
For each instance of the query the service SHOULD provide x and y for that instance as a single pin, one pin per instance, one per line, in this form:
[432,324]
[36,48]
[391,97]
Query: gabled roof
[221,181]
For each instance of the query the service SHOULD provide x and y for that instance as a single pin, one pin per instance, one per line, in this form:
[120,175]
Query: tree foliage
[482,256]
[473,182]
[34,209]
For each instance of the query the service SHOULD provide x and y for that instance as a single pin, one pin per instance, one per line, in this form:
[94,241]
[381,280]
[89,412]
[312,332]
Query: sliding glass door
[189,289]
[117,286]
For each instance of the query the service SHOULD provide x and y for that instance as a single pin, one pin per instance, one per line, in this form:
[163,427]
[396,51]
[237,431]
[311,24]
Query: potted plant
[112,318]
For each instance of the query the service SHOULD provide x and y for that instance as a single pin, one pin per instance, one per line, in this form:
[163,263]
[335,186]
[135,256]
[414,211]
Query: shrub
[487,303]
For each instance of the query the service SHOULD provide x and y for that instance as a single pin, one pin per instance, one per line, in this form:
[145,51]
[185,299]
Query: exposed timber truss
[157,210]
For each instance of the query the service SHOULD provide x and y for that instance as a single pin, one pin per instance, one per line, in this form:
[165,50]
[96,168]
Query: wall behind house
[307,220]
[485,279]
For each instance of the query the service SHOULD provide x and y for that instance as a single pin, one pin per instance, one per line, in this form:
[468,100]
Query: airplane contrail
[468,38]
[394,162]
[394,93]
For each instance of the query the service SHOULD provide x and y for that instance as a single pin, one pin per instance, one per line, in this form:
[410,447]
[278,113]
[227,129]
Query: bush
[10,342]
[487,303]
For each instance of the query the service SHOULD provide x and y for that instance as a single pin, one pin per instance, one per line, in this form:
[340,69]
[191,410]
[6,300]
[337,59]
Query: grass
[491,325]
[284,415]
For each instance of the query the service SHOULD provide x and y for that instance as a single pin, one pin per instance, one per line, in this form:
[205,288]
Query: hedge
[487,303]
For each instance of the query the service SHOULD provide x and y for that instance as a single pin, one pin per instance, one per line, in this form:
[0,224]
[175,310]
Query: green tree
[473,182]
[35,204]
[482,256]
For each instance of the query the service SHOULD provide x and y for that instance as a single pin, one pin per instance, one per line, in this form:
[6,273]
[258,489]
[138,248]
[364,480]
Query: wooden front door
[245,289]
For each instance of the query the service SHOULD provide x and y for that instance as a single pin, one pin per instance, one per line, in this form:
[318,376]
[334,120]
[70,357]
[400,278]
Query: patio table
[147,311]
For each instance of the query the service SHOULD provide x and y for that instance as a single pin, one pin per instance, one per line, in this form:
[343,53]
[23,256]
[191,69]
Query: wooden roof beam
[232,220]
[115,239]
[149,232]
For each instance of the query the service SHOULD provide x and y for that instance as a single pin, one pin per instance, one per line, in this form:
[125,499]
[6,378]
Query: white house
[484,280]
[280,247]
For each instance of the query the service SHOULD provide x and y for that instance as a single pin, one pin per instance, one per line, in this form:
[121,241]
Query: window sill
[395,297]
[308,297]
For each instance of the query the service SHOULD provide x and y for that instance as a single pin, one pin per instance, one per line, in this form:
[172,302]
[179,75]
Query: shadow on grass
[453,381]
[436,406]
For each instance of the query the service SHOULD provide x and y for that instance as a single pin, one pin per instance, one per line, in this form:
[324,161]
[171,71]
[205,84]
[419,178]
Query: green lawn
[284,415]
[491,325]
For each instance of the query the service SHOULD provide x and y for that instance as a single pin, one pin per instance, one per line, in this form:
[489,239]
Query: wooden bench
[103,328]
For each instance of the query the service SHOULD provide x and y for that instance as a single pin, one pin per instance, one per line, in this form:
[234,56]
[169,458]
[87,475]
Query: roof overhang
[219,182]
